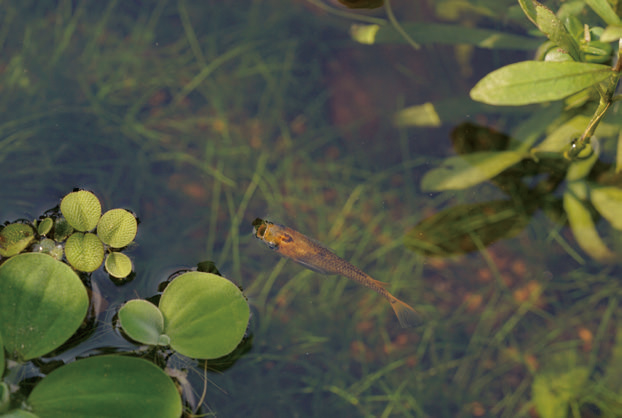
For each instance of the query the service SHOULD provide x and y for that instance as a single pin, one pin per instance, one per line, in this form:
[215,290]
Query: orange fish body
[303,250]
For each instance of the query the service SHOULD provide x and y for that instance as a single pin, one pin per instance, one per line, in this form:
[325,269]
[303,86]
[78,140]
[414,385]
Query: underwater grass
[222,122]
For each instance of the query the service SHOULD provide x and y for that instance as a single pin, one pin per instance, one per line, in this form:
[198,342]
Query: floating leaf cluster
[44,304]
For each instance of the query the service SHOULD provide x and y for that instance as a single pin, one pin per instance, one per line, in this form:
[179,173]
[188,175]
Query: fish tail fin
[407,316]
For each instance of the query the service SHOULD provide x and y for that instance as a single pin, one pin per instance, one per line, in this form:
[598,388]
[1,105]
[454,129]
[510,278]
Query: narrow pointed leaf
[464,171]
[583,227]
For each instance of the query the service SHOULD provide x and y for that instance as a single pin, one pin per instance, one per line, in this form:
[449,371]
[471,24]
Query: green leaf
[608,202]
[546,21]
[611,33]
[42,303]
[582,224]
[14,238]
[449,111]
[142,321]
[117,228]
[561,382]
[106,386]
[118,265]
[553,392]
[205,315]
[536,82]
[580,168]
[5,394]
[464,171]
[85,252]
[19,413]
[603,9]
[62,229]
[45,226]
[563,135]
[439,33]
[81,209]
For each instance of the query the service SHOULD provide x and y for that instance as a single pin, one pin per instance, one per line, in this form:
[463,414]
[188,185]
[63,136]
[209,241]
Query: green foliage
[45,226]
[81,209]
[196,331]
[142,321]
[42,303]
[575,64]
[85,252]
[14,238]
[118,265]
[114,386]
[117,228]
[465,171]
[536,82]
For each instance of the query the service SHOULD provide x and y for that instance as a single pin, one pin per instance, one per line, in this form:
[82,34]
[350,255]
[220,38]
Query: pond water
[202,116]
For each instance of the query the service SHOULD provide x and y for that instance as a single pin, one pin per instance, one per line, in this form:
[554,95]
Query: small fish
[314,256]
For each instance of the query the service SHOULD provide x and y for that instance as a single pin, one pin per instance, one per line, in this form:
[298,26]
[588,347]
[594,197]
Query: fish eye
[260,231]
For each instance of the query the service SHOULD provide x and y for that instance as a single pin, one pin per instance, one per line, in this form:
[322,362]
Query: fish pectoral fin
[311,267]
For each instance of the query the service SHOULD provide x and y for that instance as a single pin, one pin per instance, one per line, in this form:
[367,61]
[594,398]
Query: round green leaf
[81,209]
[62,229]
[42,303]
[118,265]
[142,321]
[106,386]
[85,252]
[117,228]
[44,226]
[205,315]
[14,238]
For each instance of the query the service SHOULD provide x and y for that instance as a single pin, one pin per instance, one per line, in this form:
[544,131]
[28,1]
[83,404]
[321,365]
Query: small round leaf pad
[205,315]
[85,252]
[118,265]
[81,209]
[117,228]
[42,303]
[142,321]
[106,386]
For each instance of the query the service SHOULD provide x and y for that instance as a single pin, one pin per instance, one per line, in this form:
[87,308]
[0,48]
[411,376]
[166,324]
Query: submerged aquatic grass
[202,126]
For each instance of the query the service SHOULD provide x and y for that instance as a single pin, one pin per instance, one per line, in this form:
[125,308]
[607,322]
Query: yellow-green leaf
[582,224]
[85,252]
[536,82]
[14,238]
[118,265]
[117,228]
[81,209]
[608,202]
[464,171]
